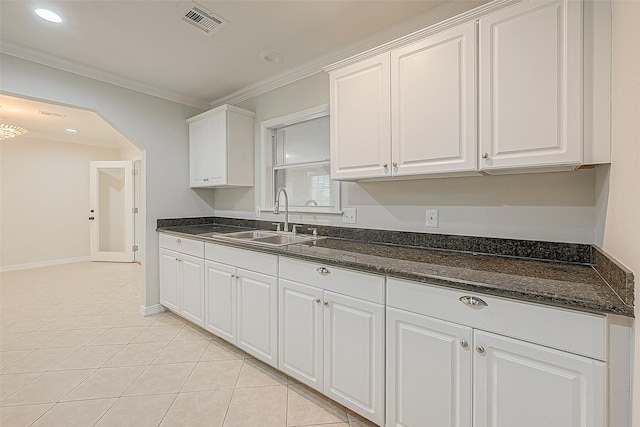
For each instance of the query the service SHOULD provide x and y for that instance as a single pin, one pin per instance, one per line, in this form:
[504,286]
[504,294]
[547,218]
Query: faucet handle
[277,224]
[294,229]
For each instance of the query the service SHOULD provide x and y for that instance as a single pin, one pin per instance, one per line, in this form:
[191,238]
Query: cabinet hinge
[135,210]
[134,172]
[135,248]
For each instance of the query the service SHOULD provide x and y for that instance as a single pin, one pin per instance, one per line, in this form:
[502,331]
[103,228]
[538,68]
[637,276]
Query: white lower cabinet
[182,277]
[242,299]
[521,384]
[447,374]
[429,371]
[330,341]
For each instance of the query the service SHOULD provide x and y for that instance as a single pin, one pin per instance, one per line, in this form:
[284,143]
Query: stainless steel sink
[268,238]
[249,235]
[283,239]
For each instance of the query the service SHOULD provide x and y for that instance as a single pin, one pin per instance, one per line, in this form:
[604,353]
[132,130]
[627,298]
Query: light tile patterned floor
[75,352]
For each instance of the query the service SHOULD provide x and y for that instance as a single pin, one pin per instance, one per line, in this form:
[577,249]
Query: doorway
[112,211]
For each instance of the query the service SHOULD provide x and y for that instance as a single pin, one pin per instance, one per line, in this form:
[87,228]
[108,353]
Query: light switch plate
[349,215]
[432,218]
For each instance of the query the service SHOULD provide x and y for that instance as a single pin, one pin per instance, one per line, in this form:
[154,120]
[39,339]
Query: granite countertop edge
[389,267]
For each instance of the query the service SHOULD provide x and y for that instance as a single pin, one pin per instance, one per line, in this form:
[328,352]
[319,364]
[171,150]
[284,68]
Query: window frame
[267,190]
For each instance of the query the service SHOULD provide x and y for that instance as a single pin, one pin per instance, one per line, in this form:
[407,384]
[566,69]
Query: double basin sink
[267,238]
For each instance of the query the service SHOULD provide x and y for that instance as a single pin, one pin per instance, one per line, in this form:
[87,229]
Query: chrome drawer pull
[464,344]
[480,349]
[473,302]
[323,271]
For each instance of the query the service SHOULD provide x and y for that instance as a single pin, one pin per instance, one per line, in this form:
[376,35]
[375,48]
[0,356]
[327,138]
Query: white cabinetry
[241,294]
[331,333]
[531,85]
[182,277]
[441,362]
[407,112]
[221,148]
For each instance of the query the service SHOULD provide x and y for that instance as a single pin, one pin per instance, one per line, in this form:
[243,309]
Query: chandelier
[10,131]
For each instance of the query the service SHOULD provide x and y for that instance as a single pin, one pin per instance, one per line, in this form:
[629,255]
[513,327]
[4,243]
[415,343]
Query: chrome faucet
[276,207]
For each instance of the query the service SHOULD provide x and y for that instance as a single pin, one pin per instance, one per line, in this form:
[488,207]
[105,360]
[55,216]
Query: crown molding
[44,58]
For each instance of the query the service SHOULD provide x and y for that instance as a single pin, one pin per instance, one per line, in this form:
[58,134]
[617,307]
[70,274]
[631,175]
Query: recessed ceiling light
[271,57]
[71,130]
[48,15]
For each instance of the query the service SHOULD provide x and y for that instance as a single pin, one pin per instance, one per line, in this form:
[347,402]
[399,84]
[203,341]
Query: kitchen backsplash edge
[575,253]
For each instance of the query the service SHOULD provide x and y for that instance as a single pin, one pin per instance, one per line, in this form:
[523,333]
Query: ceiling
[50,122]
[146,46]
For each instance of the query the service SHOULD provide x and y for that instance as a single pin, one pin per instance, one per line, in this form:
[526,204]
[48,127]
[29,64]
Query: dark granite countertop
[560,284]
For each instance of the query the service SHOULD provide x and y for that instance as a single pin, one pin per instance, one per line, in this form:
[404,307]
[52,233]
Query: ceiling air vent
[203,20]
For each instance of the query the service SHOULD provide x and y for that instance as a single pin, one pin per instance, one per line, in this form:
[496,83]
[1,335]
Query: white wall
[45,200]
[620,198]
[549,206]
[154,125]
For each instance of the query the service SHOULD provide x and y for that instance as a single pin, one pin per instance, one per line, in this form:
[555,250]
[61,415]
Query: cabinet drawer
[579,333]
[180,244]
[365,286]
[248,260]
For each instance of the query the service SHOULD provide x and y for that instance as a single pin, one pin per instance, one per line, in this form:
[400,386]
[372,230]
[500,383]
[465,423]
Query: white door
[428,371]
[170,279]
[433,103]
[111,211]
[361,119]
[257,325]
[300,332]
[220,291]
[530,85]
[192,289]
[354,354]
[527,385]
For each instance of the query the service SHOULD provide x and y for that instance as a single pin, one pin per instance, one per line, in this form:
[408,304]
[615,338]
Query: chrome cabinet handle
[473,302]
[178,241]
[323,271]
[464,344]
[395,164]
[480,349]
[326,303]
[485,155]
[385,165]
[317,300]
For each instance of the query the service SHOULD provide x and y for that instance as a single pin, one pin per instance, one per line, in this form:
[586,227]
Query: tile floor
[74,351]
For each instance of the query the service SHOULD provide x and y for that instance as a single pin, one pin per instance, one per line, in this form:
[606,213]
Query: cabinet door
[192,289]
[257,326]
[300,332]
[428,371]
[526,385]
[433,103]
[170,279]
[360,120]
[208,150]
[354,354]
[530,85]
[220,291]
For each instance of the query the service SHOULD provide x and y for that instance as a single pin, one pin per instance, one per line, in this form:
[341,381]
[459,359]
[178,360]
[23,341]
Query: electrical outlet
[258,213]
[349,215]
[432,218]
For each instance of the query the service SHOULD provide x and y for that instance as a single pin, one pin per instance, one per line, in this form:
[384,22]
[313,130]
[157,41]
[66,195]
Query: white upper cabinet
[433,104]
[221,148]
[531,85]
[509,87]
[360,120]
[407,112]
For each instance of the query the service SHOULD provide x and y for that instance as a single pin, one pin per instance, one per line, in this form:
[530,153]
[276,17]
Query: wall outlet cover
[349,215]
[432,218]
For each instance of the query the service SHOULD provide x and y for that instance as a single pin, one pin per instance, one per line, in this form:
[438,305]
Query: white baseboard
[43,263]
[152,309]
